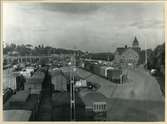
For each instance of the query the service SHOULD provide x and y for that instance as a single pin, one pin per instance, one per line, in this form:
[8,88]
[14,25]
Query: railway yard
[83,62]
[141,95]
[47,96]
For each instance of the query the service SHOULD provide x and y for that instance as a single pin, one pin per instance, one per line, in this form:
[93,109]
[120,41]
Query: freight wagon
[61,107]
[23,100]
[89,66]
[114,75]
[7,93]
[104,69]
[96,69]
[109,73]
[34,83]
[27,99]
[58,80]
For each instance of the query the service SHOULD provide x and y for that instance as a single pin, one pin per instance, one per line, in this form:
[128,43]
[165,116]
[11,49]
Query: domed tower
[135,43]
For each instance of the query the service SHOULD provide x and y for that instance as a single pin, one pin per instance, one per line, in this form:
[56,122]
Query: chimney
[126,46]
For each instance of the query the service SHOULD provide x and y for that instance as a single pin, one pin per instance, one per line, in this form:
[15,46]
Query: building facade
[128,56]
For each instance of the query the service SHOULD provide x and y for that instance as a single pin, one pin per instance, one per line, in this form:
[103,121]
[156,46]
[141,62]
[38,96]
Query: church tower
[135,43]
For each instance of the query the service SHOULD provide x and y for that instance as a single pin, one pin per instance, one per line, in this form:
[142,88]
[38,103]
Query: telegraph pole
[146,54]
[72,89]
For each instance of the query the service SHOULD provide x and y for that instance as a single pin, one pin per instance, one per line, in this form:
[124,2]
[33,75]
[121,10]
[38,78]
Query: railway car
[110,73]
[61,107]
[58,80]
[103,70]
[96,69]
[87,65]
[23,100]
[7,93]
[34,83]
[114,75]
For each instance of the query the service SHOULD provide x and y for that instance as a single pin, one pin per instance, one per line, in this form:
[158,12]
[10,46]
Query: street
[140,99]
[141,86]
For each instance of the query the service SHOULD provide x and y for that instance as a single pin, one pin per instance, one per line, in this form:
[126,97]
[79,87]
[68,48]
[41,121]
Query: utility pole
[146,54]
[72,89]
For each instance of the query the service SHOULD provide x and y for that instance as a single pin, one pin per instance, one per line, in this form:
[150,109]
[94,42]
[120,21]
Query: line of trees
[28,49]
[156,59]
[37,50]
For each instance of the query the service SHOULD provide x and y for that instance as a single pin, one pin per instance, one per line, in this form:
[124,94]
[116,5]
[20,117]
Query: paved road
[145,86]
[138,100]
[141,85]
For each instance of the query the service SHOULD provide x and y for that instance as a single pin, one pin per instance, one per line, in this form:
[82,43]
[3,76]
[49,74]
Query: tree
[156,58]
[23,50]
[9,48]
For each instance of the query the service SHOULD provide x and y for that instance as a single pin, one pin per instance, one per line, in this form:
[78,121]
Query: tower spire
[135,43]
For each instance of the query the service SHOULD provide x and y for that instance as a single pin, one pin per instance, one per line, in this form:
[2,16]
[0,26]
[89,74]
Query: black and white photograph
[83,62]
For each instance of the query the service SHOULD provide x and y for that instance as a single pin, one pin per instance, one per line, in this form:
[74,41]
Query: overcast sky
[89,27]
